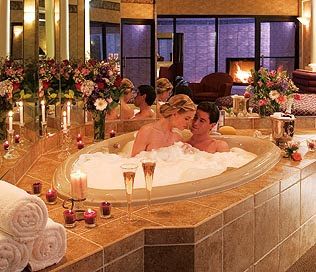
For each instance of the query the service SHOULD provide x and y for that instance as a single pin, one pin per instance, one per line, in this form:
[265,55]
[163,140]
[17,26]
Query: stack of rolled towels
[27,235]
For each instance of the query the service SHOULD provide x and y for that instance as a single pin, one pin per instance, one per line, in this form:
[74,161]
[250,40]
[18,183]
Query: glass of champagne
[129,171]
[149,169]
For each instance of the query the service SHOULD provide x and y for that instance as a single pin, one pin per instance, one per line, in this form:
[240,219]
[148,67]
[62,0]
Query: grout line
[123,256]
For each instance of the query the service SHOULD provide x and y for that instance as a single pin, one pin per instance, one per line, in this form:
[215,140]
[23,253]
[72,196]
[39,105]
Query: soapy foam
[174,164]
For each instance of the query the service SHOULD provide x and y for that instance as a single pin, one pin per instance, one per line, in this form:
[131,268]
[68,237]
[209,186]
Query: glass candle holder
[112,133]
[80,144]
[37,188]
[79,137]
[90,218]
[311,144]
[17,138]
[105,209]
[6,145]
[70,218]
[51,197]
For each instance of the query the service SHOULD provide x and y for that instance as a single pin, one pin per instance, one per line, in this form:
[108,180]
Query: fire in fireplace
[240,69]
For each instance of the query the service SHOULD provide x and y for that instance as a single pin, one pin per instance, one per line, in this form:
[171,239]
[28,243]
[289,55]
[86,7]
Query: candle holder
[105,209]
[23,140]
[51,197]
[10,151]
[77,206]
[44,129]
[70,218]
[90,218]
[65,147]
[37,188]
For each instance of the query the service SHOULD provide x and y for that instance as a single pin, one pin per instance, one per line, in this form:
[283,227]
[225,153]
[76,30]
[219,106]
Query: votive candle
[80,144]
[43,111]
[17,138]
[90,218]
[6,145]
[112,133]
[69,218]
[37,188]
[51,196]
[105,209]
[79,137]
[10,115]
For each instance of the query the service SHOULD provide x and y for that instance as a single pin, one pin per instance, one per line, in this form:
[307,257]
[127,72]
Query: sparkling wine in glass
[149,169]
[129,171]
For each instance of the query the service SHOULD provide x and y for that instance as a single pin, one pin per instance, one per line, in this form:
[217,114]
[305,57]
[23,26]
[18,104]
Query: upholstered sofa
[211,87]
[305,81]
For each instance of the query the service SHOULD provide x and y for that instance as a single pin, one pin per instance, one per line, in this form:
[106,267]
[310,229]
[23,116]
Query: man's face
[139,99]
[201,123]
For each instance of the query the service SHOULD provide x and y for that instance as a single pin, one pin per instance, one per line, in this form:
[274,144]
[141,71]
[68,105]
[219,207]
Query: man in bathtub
[206,117]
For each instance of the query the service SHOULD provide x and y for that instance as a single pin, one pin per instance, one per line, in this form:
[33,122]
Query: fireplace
[240,69]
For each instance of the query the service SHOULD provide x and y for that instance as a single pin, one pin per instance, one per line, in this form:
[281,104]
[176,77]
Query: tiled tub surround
[266,224]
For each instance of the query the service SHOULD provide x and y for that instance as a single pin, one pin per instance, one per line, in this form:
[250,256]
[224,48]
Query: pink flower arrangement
[291,151]
[271,89]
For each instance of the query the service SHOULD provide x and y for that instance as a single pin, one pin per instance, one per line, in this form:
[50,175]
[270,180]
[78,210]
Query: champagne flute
[149,169]
[129,171]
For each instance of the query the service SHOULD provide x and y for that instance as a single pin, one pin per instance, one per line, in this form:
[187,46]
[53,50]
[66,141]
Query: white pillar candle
[78,185]
[64,121]
[68,113]
[21,110]
[10,114]
[43,111]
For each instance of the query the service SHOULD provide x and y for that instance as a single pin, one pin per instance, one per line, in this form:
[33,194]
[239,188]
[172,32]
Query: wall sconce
[304,20]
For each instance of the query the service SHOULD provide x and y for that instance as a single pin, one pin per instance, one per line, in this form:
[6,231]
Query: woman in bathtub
[178,113]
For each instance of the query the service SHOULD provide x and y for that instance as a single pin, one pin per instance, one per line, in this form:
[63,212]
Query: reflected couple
[179,113]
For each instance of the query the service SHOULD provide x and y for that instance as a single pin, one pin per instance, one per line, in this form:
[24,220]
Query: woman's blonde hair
[127,84]
[178,103]
[163,85]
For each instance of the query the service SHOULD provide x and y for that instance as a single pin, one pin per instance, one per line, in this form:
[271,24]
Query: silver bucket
[282,128]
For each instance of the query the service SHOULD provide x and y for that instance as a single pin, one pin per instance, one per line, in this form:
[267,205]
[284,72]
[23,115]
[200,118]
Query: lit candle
[89,218]
[37,188]
[70,218]
[112,133]
[105,209]
[17,138]
[21,113]
[64,121]
[78,185]
[6,145]
[68,113]
[43,111]
[80,144]
[10,114]
[79,137]
[51,196]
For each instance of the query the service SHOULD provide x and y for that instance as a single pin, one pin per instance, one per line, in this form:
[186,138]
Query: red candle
[112,133]
[6,145]
[89,218]
[70,218]
[17,138]
[51,196]
[79,137]
[37,188]
[80,144]
[105,209]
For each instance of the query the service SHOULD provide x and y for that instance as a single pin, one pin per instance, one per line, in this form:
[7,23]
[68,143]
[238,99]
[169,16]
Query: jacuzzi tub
[267,156]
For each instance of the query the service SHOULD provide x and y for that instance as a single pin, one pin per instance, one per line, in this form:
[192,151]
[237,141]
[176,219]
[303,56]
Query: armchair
[211,87]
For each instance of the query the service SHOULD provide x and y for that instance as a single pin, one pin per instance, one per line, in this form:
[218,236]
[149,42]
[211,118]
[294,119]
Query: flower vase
[3,127]
[99,125]
[262,111]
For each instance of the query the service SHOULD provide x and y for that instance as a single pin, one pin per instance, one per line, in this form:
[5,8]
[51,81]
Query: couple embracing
[180,113]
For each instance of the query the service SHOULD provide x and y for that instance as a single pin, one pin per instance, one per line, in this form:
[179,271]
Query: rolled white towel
[14,256]
[22,215]
[50,247]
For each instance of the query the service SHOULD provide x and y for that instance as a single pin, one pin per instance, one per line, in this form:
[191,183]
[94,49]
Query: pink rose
[296,156]
[262,102]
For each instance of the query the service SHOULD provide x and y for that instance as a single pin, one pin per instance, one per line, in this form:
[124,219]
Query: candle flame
[90,211]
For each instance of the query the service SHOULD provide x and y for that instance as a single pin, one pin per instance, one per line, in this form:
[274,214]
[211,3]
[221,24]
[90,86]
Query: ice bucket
[282,127]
